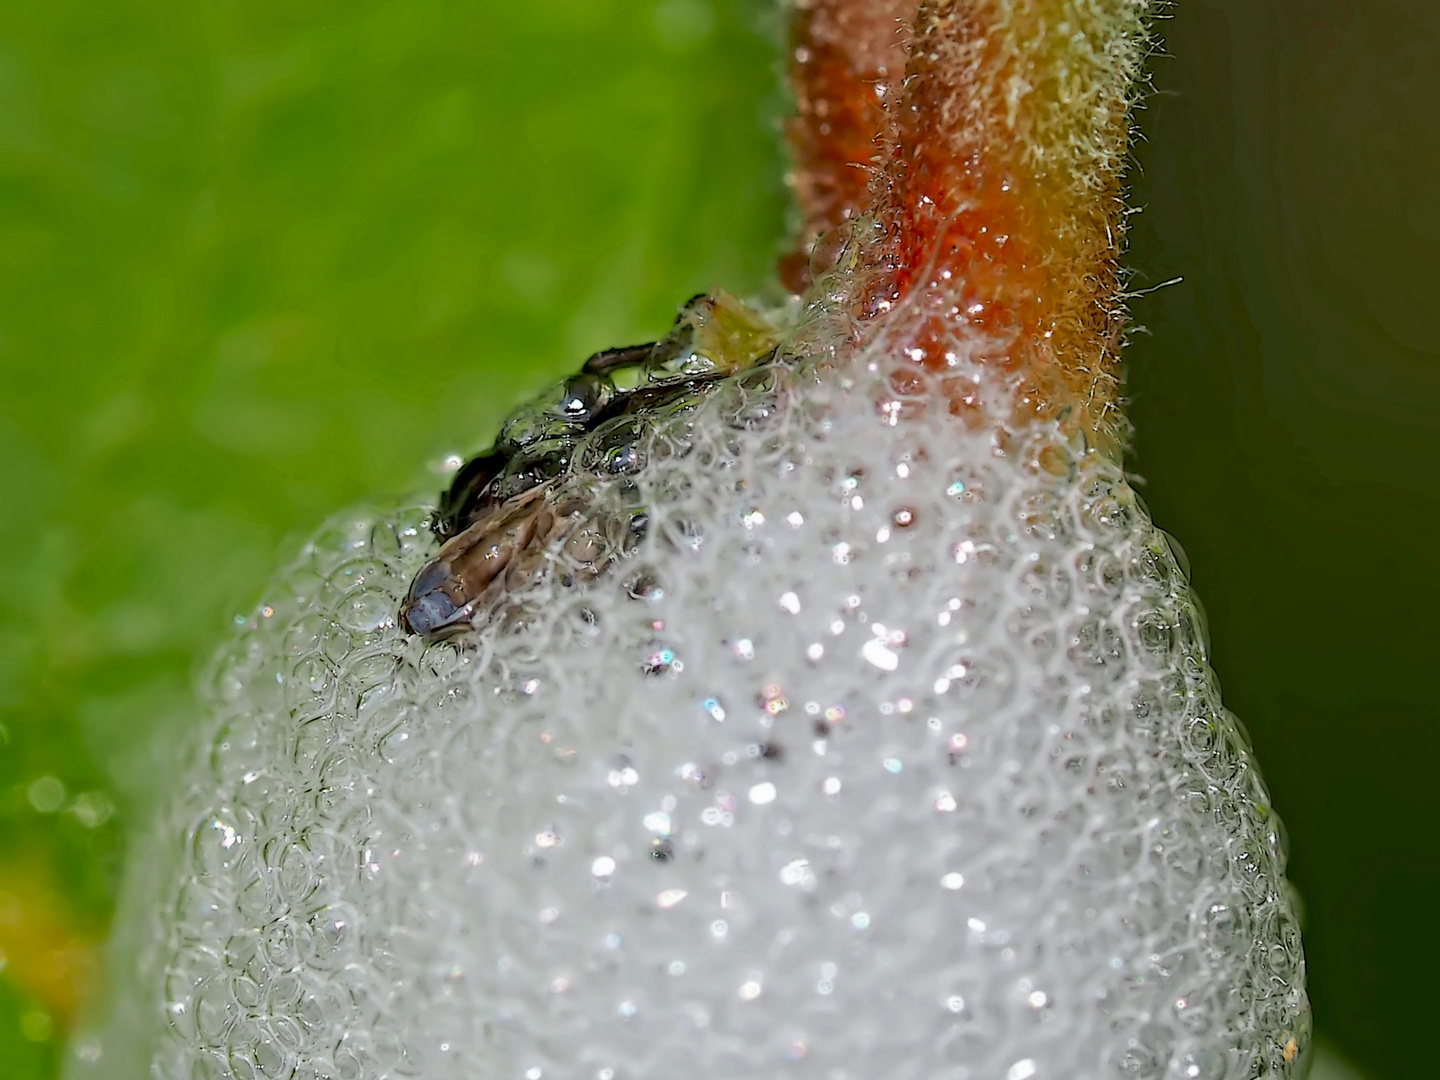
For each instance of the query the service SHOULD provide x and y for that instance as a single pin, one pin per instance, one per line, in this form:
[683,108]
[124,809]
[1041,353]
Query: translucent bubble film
[888,749]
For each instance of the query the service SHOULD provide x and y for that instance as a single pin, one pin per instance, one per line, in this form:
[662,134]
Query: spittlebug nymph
[508,506]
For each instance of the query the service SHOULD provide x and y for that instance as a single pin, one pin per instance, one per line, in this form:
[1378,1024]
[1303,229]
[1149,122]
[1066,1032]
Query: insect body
[507,511]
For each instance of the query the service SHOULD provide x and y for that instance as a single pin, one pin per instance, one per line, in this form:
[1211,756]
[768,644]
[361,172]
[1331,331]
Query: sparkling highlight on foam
[1002,817]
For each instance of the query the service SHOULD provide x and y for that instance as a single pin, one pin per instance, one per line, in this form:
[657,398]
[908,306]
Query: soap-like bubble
[888,749]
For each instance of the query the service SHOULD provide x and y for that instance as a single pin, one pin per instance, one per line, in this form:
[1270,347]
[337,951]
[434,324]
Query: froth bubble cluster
[893,751]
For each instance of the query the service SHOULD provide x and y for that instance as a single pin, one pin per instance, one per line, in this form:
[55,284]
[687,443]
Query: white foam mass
[893,753]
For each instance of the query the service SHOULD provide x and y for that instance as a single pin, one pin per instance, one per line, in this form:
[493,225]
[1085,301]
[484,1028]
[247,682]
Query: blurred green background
[259,261]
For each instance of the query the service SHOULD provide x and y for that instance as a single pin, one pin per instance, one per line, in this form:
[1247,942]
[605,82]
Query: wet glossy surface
[509,505]
[892,750]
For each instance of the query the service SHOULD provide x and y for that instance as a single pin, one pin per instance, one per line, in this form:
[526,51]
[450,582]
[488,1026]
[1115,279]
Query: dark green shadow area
[1287,407]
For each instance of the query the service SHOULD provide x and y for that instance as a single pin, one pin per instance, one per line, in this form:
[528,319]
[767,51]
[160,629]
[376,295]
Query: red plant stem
[846,65]
[998,193]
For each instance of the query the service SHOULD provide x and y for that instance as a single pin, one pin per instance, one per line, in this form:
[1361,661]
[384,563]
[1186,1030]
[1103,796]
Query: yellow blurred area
[41,951]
